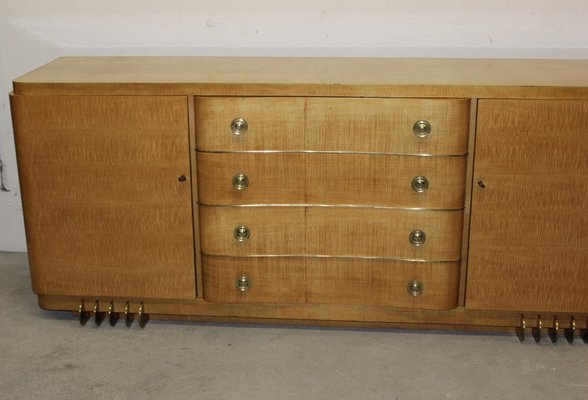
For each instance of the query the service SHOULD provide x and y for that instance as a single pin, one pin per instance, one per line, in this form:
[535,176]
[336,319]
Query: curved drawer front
[328,280]
[332,124]
[331,231]
[319,178]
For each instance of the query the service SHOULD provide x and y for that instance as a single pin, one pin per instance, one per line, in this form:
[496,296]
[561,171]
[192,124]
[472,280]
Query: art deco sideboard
[411,193]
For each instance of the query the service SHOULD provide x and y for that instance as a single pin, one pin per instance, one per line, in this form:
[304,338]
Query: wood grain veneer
[319,178]
[105,213]
[528,249]
[195,208]
[278,76]
[336,231]
[323,280]
[102,141]
[323,124]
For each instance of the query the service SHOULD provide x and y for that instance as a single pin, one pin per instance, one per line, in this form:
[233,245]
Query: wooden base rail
[571,326]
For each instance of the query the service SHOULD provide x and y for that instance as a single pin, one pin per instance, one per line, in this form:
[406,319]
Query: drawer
[332,124]
[320,178]
[331,280]
[336,231]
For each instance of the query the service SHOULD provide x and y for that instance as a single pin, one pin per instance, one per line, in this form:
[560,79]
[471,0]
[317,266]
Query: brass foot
[571,331]
[552,332]
[536,331]
[143,318]
[83,315]
[128,315]
[98,316]
[112,316]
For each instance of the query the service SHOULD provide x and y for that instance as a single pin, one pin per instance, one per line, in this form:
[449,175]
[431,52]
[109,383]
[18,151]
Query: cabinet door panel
[105,214]
[528,248]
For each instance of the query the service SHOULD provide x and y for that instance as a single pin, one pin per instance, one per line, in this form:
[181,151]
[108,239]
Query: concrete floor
[48,355]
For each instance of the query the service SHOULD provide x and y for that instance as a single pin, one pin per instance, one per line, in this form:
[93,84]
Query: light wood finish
[325,314]
[336,231]
[323,124]
[195,208]
[322,280]
[468,201]
[101,146]
[319,178]
[365,77]
[528,248]
[105,214]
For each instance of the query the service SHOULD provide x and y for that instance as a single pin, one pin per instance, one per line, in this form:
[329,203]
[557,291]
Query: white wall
[35,32]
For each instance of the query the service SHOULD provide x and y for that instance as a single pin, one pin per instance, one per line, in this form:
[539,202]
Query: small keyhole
[182,178]
[482,184]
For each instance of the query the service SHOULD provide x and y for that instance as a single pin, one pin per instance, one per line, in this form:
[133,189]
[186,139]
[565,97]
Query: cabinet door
[105,212]
[528,243]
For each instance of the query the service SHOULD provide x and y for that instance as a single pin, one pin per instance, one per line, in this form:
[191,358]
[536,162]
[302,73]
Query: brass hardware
[243,283]
[128,315]
[571,331]
[182,178]
[422,128]
[417,237]
[482,184]
[521,329]
[536,331]
[420,184]
[83,315]
[334,257]
[143,317]
[239,126]
[242,233]
[322,205]
[552,332]
[98,316]
[240,181]
[380,153]
[415,288]
[112,316]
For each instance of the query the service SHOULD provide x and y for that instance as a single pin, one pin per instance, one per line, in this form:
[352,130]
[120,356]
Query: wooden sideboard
[423,193]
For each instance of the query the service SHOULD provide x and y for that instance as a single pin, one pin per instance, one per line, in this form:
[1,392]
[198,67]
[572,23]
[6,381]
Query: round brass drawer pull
[420,184]
[242,233]
[422,128]
[243,283]
[417,237]
[240,181]
[239,126]
[415,288]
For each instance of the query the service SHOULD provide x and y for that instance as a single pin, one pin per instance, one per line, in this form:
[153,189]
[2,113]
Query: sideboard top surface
[365,77]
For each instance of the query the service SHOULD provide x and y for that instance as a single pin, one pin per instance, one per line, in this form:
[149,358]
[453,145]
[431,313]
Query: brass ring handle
[243,283]
[422,128]
[420,184]
[242,233]
[239,126]
[417,237]
[240,181]
[415,288]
